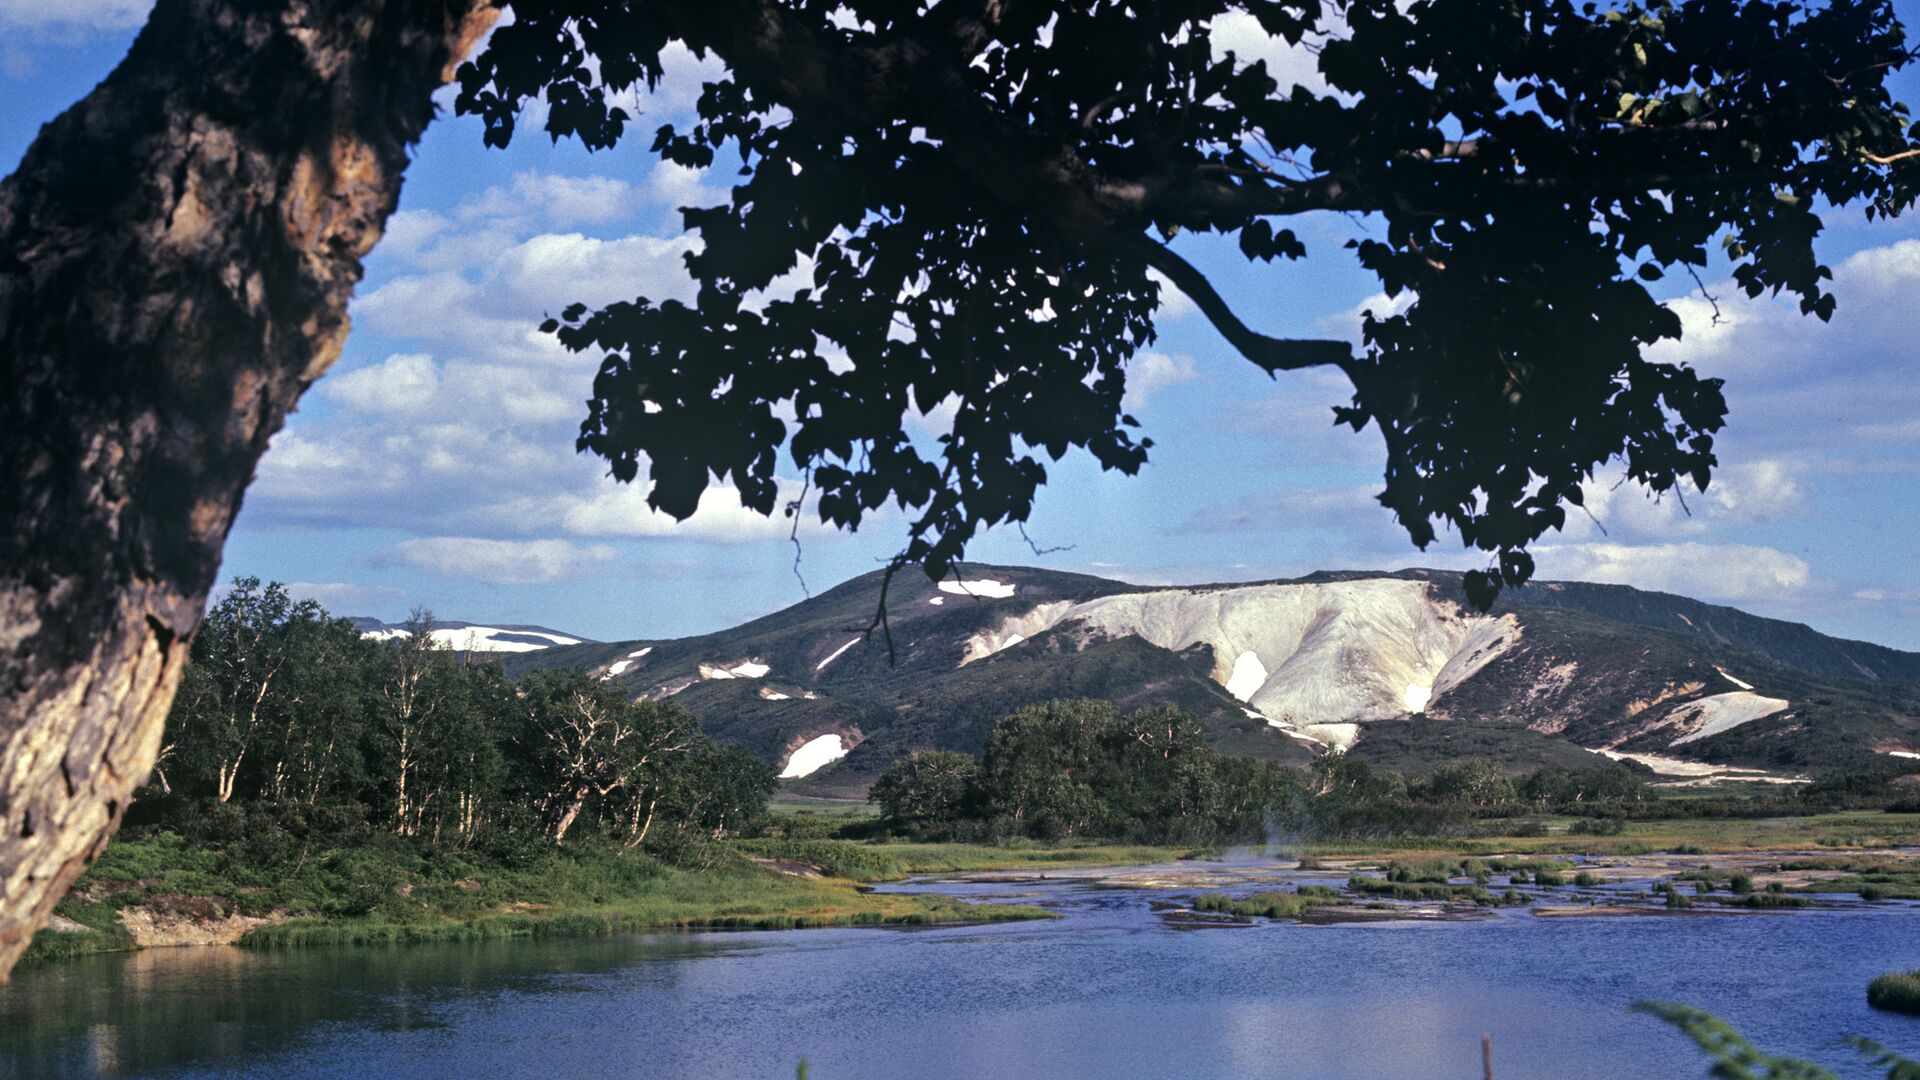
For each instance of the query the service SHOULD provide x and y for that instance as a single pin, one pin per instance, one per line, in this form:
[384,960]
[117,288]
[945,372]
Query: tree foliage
[980,200]
[290,716]
[1077,768]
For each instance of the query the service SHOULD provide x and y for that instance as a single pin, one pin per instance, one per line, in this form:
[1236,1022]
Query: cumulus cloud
[1239,33]
[1798,386]
[70,16]
[500,562]
[1763,491]
[469,429]
[613,510]
[1709,571]
[1174,304]
[488,294]
[344,598]
[403,383]
[1151,372]
[555,201]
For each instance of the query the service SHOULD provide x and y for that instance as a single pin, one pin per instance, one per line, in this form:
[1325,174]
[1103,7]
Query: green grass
[389,891]
[1897,991]
[1411,890]
[1871,877]
[1765,900]
[1867,829]
[1273,904]
[860,861]
[842,810]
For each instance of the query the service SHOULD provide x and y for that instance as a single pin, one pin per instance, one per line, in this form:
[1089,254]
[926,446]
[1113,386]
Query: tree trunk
[565,822]
[176,256]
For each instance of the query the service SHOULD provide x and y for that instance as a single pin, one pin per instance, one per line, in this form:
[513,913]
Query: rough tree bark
[176,256]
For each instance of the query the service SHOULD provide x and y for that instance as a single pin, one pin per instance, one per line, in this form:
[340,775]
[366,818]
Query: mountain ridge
[1585,669]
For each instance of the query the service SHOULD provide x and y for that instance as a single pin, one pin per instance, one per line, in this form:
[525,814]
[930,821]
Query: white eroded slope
[1722,712]
[1311,657]
[474,638]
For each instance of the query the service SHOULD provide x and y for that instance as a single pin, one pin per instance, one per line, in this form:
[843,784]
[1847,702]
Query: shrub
[1585,879]
[1773,900]
[1741,884]
[1897,991]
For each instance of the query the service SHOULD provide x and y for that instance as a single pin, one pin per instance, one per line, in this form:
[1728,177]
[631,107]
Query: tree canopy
[983,198]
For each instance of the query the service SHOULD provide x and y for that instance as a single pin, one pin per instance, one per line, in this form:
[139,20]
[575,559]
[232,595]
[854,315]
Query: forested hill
[1394,667]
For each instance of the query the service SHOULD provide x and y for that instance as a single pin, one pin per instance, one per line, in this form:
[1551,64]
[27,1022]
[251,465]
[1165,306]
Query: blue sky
[435,464]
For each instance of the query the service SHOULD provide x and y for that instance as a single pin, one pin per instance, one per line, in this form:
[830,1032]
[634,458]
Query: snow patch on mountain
[745,669]
[1731,679]
[1416,696]
[813,755]
[1317,658]
[620,667]
[836,653]
[1248,676]
[471,637]
[982,587]
[1721,712]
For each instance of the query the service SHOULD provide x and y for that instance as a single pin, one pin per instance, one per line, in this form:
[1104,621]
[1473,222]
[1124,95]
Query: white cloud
[1761,491]
[487,293]
[1151,372]
[1347,325]
[345,598]
[614,510]
[74,15]
[1798,386]
[676,186]
[555,200]
[1290,65]
[1174,304]
[403,383]
[1344,510]
[1709,571]
[500,562]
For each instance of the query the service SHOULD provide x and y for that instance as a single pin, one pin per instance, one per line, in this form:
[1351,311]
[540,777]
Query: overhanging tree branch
[1270,353]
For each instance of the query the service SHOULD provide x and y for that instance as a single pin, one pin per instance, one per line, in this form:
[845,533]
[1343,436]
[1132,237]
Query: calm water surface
[1107,991]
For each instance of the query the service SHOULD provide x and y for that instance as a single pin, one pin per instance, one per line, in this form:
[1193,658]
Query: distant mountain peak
[1392,667]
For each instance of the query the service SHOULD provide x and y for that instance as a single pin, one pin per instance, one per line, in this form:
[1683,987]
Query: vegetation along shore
[320,787]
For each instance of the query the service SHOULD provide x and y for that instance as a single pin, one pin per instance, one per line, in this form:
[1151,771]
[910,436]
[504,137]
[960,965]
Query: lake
[1108,990]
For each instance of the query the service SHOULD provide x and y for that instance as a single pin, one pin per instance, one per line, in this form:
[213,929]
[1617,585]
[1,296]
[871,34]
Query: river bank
[1109,988]
[160,890]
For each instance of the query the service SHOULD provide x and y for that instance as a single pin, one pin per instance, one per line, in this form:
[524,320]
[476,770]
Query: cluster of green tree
[288,720]
[1077,768]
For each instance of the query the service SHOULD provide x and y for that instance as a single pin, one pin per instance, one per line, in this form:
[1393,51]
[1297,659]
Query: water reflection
[1107,991]
[218,1008]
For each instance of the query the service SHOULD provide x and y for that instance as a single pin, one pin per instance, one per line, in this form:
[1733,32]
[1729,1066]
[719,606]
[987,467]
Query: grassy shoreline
[394,895]
[390,893]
